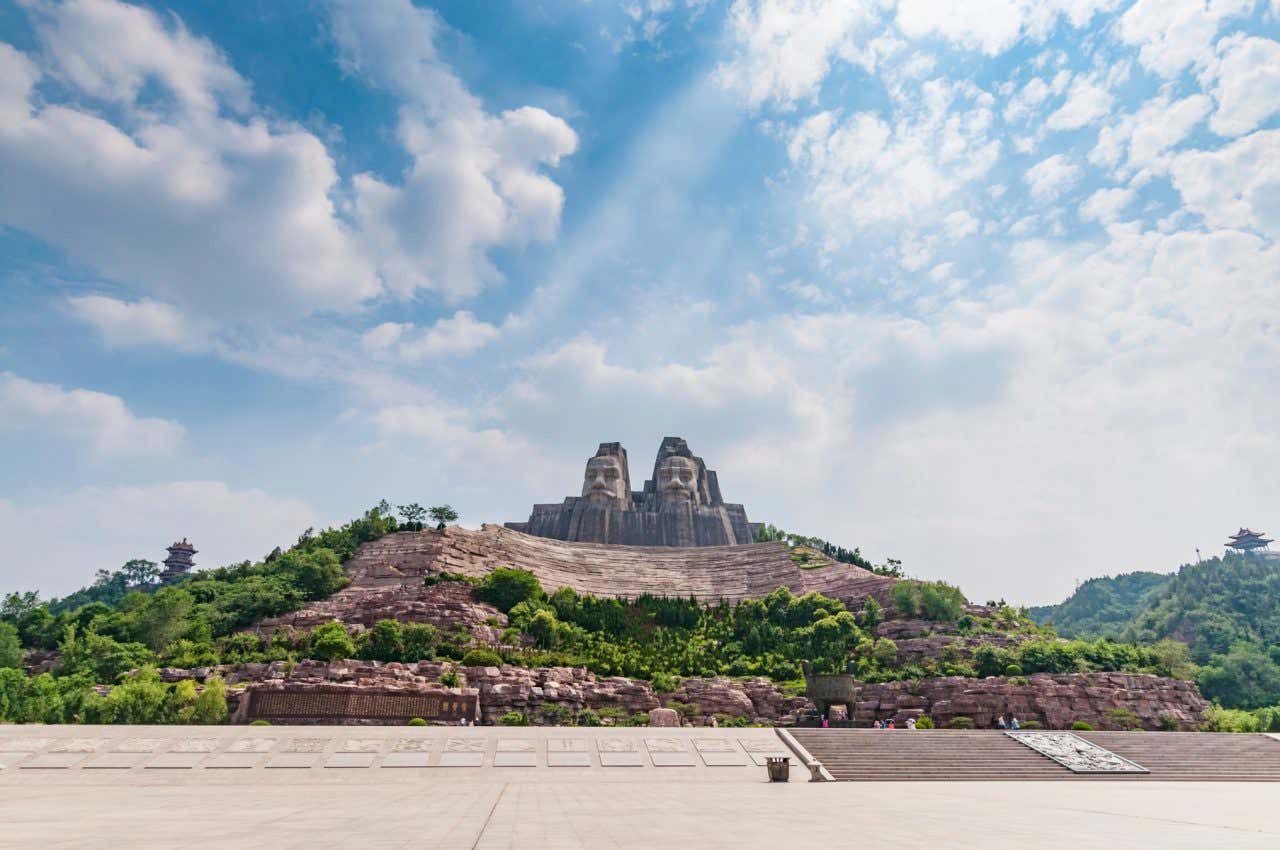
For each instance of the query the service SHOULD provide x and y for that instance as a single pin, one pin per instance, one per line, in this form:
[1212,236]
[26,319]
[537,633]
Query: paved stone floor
[680,798]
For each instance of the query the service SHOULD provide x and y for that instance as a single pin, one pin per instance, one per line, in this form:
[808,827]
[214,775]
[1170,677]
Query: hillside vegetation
[1225,610]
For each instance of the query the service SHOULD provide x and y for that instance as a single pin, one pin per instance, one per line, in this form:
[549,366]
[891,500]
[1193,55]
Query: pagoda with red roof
[1248,541]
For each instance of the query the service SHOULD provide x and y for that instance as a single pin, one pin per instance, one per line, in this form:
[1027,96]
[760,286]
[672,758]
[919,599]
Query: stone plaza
[445,787]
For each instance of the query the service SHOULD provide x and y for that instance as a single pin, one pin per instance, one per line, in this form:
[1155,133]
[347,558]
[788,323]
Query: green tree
[905,597]
[332,642]
[10,646]
[385,641]
[163,618]
[419,642]
[505,588]
[442,515]
[872,614]
[414,515]
[211,705]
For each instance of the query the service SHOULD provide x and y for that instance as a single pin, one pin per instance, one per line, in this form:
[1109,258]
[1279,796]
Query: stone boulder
[663,717]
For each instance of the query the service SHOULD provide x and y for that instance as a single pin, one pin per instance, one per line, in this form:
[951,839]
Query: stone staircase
[1196,756]
[871,755]
[889,755]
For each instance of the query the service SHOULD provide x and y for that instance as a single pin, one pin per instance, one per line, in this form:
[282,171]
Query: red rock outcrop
[709,573]
[447,605]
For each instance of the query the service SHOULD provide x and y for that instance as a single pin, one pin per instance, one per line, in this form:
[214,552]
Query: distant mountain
[1102,607]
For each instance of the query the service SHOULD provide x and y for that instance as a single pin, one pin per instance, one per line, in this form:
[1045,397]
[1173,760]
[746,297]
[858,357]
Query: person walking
[1013,723]
[911,723]
[1000,724]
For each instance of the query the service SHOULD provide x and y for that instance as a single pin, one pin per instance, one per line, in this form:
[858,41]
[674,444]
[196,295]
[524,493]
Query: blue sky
[990,287]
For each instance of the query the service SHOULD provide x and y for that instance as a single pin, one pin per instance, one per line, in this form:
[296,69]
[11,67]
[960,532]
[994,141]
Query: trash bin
[779,768]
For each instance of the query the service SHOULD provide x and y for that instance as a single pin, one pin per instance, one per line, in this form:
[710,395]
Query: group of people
[1011,723]
[891,724]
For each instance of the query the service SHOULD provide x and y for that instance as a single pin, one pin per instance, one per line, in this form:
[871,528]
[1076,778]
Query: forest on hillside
[1226,610]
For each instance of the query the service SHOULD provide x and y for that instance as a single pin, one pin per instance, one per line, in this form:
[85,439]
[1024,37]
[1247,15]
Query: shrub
[1125,719]
[905,597]
[10,647]
[450,679]
[419,642]
[665,683]
[587,717]
[1031,724]
[1081,726]
[612,716]
[506,588]
[211,705]
[638,719]
[514,718]
[331,642]
[417,721]
[481,658]
[1170,723]
[924,721]
[1012,670]
[960,723]
[259,722]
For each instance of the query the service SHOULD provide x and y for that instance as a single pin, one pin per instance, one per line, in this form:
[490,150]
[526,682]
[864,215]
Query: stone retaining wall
[1103,700]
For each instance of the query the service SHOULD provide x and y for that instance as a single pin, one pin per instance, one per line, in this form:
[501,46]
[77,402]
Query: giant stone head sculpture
[678,480]
[605,482]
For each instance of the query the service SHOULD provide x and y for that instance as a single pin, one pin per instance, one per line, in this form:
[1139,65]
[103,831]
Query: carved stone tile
[77,745]
[233,761]
[713,745]
[115,761]
[138,745]
[566,745]
[52,761]
[350,759]
[665,745]
[413,745]
[194,745]
[464,745]
[1075,753]
[618,745]
[252,745]
[360,745]
[516,745]
[23,745]
[306,745]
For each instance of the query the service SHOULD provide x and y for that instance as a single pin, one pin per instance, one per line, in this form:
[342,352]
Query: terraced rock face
[709,573]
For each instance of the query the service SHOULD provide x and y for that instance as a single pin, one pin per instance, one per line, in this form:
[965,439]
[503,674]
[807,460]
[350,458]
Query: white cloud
[864,171]
[125,323]
[198,200]
[784,48]
[993,26]
[1235,186]
[1140,141]
[1105,205]
[56,545]
[1036,91]
[476,179]
[1086,103]
[458,334]
[1245,81]
[1049,178]
[1173,34]
[100,421]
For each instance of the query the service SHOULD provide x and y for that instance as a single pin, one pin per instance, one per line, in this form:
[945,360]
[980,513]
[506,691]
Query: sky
[991,287]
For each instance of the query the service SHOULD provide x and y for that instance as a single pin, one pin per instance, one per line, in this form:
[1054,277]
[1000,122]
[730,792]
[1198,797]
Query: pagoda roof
[1247,538]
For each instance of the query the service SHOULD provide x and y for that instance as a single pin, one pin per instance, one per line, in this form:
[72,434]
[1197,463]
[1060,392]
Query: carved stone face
[604,483]
[678,480]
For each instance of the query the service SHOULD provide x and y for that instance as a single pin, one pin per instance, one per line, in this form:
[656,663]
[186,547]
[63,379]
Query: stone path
[105,753]
[386,787]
